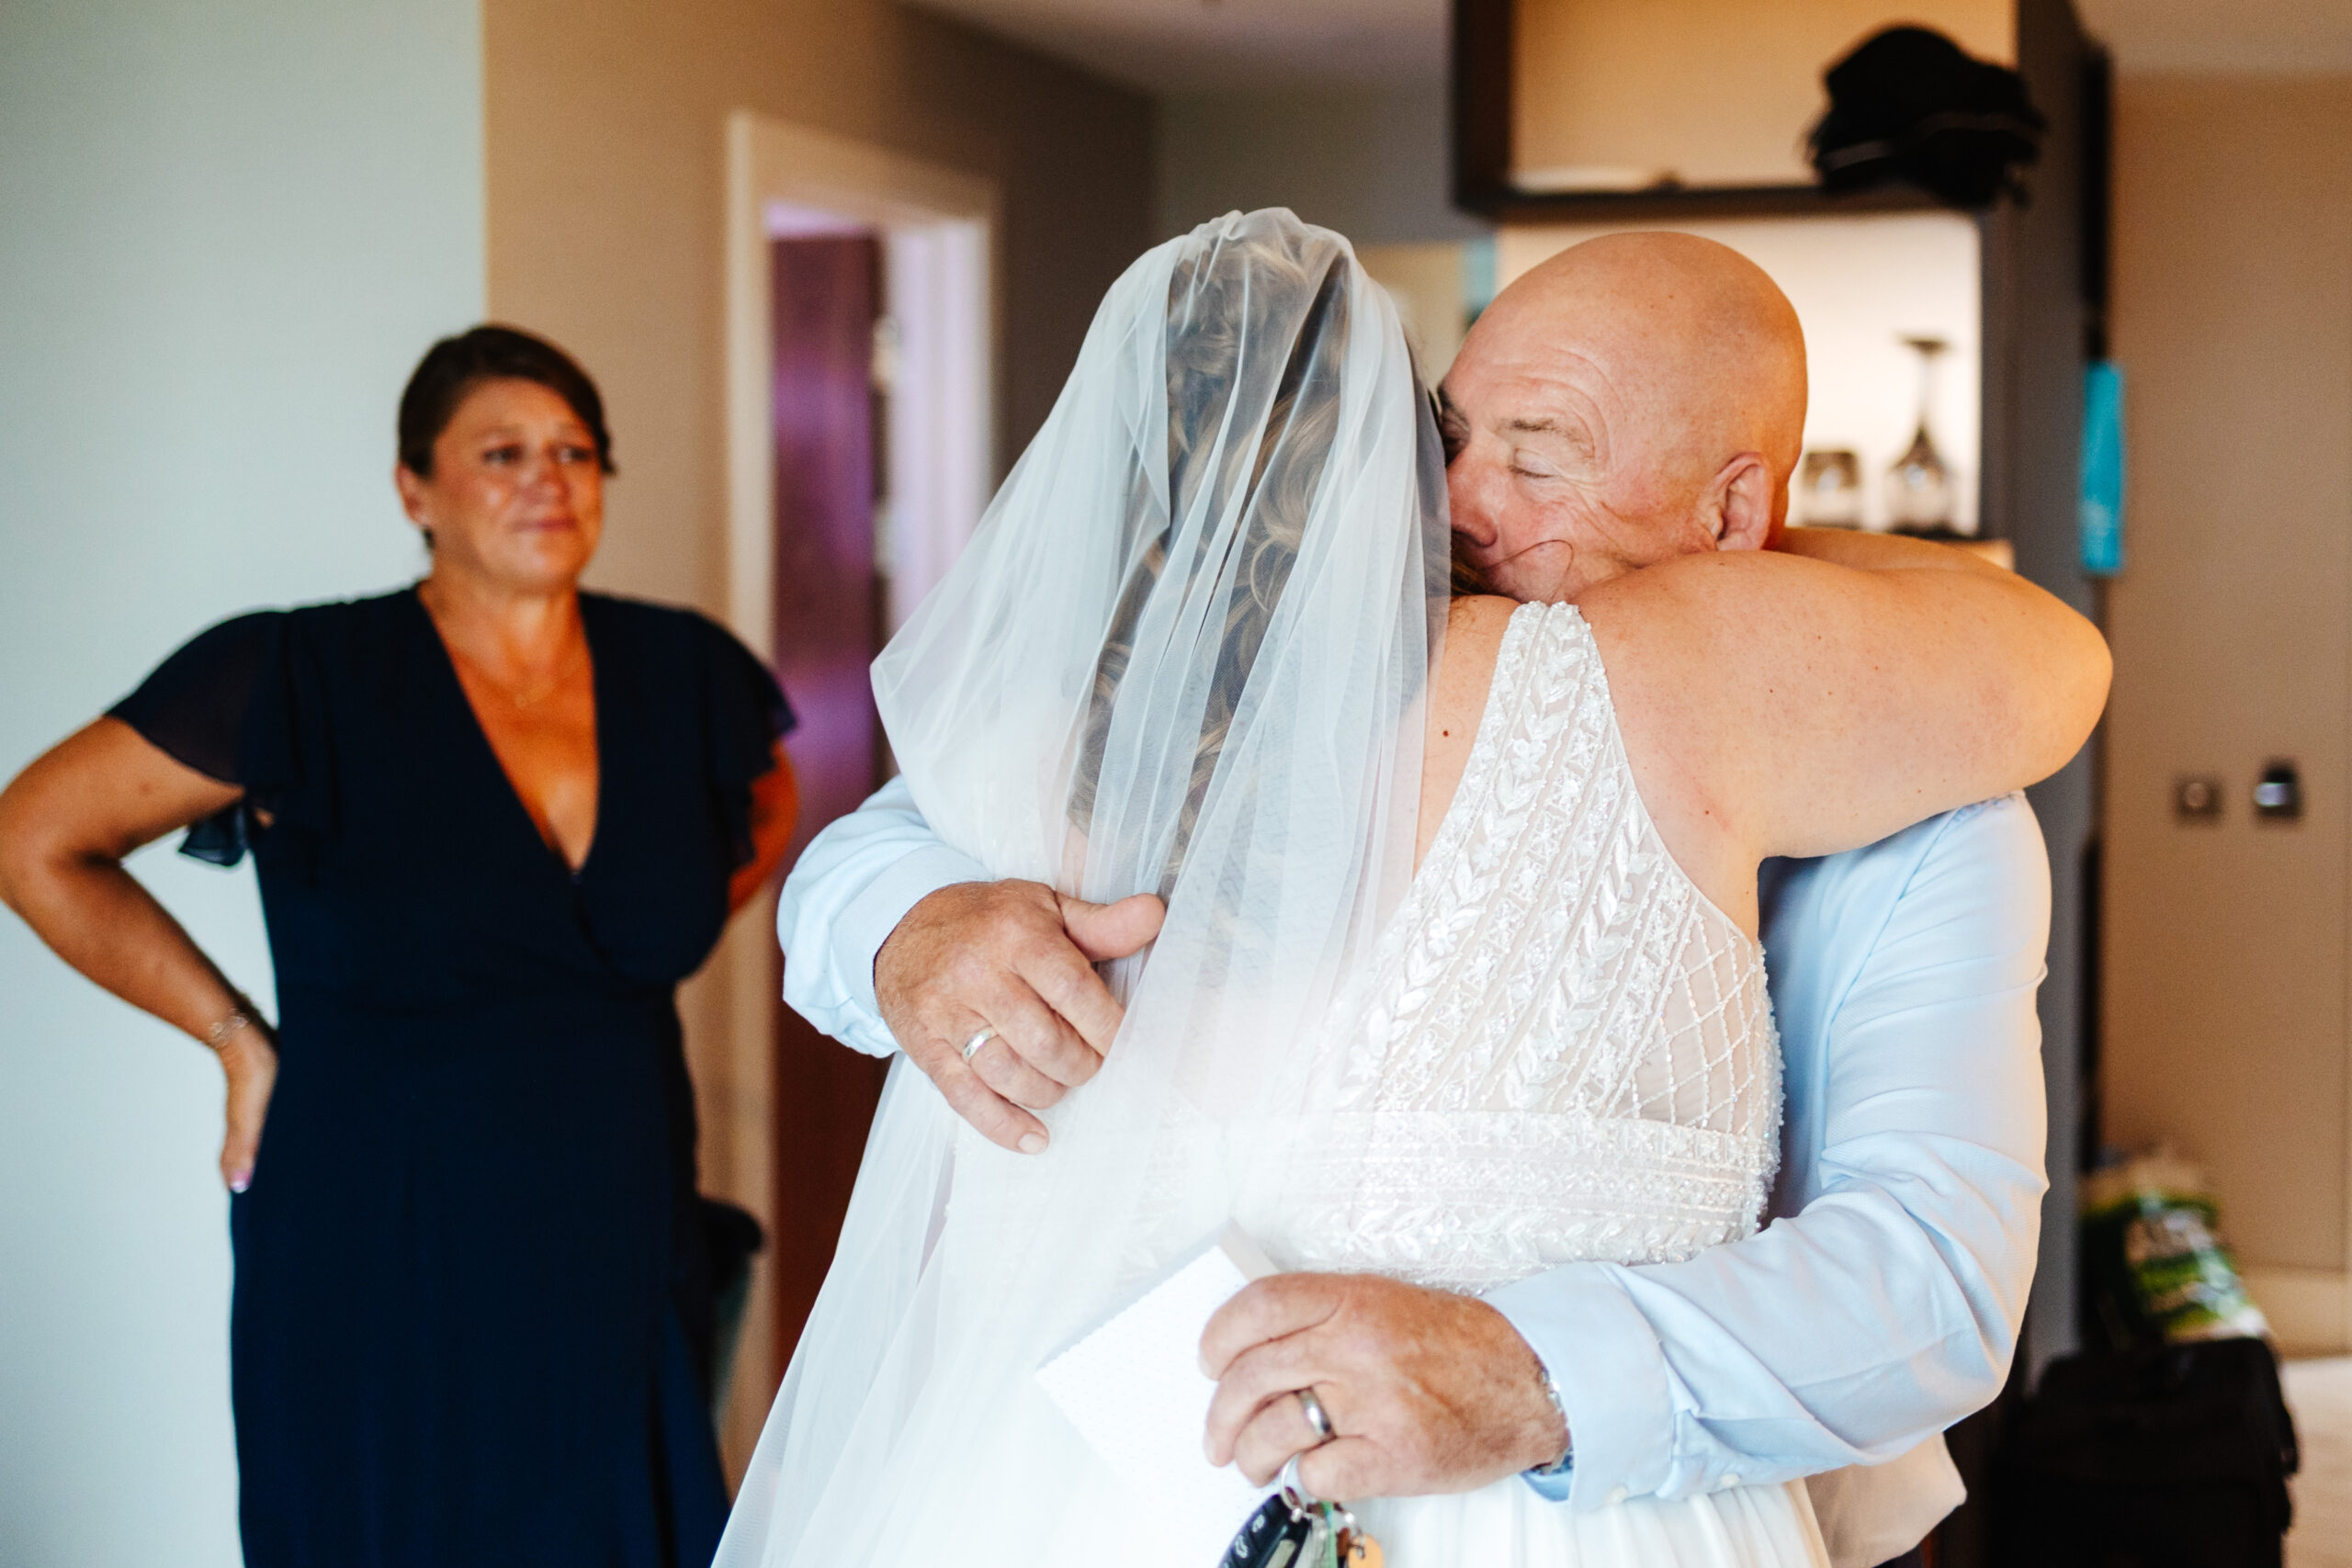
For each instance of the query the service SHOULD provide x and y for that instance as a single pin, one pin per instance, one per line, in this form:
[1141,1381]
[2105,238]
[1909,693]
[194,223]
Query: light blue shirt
[1881,1306]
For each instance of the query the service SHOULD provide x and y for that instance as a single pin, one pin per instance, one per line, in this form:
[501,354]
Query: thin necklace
[539,694]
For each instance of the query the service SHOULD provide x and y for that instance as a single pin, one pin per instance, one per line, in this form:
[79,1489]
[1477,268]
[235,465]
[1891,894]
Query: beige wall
[1713,92]
[605,126]
[2225,946]
[606,123]
[1369,160]
[1431,294]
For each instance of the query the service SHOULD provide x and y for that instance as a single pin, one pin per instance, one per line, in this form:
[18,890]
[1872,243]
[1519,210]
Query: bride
[1434,997]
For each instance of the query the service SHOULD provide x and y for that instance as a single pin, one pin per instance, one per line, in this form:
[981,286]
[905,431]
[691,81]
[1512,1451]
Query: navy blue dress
[471,1321]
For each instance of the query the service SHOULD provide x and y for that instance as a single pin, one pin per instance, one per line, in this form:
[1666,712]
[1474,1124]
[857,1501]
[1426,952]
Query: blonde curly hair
[1221,297]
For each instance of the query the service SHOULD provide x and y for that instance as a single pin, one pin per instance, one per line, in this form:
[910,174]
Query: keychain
[1354,1547]
[1291,1530]
[1273,1536]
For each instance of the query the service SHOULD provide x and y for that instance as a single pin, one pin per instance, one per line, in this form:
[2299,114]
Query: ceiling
[1174,46]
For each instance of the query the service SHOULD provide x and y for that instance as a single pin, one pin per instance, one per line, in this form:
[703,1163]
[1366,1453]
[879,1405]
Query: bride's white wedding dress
[1563,1052]
[1187,652]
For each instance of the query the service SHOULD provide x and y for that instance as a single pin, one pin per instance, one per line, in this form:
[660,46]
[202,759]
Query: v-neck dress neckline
[488,752]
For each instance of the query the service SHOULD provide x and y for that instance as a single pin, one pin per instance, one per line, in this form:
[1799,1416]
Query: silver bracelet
[221,1034]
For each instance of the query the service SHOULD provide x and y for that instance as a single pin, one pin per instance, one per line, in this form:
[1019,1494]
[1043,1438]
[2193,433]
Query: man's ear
[1745,503]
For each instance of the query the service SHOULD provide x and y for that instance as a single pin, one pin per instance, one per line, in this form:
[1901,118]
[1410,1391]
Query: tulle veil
[1186,653]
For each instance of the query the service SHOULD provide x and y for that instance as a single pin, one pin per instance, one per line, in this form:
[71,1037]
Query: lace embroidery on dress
[1562,1052]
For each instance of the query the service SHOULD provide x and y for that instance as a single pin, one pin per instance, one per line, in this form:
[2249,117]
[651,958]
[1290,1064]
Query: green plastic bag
[2159,1271]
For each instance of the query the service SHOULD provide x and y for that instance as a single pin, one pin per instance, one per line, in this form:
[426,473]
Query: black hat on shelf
[1910,105]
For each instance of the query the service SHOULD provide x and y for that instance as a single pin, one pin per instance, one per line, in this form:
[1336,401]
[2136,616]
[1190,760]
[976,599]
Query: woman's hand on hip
[249,1059]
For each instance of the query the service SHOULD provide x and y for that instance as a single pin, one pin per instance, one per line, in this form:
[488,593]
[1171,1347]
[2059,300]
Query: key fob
[1274,1537]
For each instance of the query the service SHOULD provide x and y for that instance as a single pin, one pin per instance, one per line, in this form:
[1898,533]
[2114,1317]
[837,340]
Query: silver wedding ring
[1316,1416]
[977,1041]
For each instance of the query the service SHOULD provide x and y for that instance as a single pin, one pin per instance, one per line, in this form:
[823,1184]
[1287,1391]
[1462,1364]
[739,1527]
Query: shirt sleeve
[1889,1306]
[747,714]
[847,893]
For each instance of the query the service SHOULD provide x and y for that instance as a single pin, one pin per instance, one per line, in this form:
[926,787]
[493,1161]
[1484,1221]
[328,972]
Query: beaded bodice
[1562,1051]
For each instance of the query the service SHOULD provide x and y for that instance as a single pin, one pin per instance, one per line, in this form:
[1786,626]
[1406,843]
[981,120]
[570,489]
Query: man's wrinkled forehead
[1616,309]
[1521,373]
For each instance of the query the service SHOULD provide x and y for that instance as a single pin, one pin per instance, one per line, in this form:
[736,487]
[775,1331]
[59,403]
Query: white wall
[230,228]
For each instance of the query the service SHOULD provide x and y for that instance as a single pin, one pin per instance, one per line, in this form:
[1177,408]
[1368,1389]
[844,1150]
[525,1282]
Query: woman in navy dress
[496,820]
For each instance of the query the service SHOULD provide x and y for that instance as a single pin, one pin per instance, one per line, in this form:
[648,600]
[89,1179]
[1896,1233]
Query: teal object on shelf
[1477,277]
[2101,502]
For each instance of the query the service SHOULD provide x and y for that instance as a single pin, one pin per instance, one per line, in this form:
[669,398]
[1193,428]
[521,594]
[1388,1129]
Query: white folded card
[1133,1387]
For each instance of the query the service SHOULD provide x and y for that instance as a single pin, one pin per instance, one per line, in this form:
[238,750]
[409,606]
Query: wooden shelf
[1508,204]
[1483,158]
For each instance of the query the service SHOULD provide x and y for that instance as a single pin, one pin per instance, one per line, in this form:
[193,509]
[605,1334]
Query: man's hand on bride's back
[1019,958]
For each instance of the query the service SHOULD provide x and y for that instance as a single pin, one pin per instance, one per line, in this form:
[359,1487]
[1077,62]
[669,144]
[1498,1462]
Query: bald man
[1634,399]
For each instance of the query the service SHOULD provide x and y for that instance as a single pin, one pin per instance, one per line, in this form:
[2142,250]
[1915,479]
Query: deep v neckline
[488,751]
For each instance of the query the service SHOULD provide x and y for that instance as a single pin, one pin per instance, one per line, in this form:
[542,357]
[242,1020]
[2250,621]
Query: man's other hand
[1019,958]
[1426,1391]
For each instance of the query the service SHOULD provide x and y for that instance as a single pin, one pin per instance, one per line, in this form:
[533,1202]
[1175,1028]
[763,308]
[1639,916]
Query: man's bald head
[1686,328]
[1634,398]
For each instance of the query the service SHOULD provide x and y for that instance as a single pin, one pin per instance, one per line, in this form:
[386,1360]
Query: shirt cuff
[867,921]
[1606,1359]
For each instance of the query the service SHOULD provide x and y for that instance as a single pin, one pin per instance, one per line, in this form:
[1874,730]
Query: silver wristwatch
[1567,1462]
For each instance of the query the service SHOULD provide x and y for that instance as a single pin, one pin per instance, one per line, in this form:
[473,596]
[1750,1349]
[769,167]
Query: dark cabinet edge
[1508,203]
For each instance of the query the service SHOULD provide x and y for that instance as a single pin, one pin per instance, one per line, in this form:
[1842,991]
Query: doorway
[829,418]
[860,314]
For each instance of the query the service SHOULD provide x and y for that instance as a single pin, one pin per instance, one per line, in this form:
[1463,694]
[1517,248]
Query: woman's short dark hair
[455,365]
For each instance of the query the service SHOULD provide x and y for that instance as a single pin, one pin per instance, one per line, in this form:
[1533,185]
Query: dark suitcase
[2173,1456]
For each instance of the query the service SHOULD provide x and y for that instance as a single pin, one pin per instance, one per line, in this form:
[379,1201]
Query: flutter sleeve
[745,714]
[195,706]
